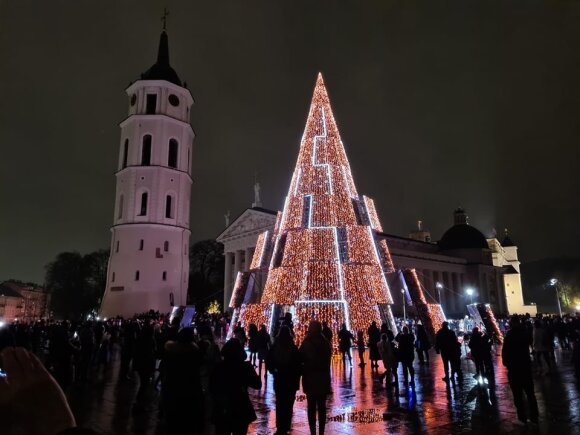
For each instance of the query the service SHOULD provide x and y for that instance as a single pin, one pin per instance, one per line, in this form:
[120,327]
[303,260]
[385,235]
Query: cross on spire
[164,18]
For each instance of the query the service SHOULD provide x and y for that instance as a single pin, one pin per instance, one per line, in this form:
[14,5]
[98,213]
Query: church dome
[463,236]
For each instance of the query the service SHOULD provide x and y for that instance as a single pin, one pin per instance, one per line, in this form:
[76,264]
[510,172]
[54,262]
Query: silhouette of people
[232,410]
[345,338]
[374,335]
[360,344]
[447,344]
[422,344]
[283,361]
[388,349]
[316,353]
[264,343]
[541,346]
[253,343]
[406,354]
[516,358]
[144,363]
[181,392]
[327,332]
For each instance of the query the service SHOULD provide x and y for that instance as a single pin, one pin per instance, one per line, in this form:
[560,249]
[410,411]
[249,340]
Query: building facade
[463,261]
[239,240]
[23,302]
[149,262]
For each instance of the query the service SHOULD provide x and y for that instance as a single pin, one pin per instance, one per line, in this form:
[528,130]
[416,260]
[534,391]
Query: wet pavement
[360,404]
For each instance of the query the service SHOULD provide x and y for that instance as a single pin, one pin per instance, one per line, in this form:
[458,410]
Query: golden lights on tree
[325,262]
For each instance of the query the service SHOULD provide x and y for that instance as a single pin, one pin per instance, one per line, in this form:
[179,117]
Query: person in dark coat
[181,391]
[327,332]
[253,343]
[283,361]
[129,336]
[447,344]
[316,353]
[406,354]
[61,355]
[144,363]
[516,358]
[360,344]
[345,338]
[422,344]
[264,344]
[232,410]
[374,335]
[478,347]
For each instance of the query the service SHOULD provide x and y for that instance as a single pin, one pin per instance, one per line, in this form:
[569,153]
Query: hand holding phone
[37,403]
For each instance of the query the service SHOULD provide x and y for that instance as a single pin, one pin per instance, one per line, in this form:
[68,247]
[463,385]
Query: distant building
[462,259]
[23,302]
[149,262]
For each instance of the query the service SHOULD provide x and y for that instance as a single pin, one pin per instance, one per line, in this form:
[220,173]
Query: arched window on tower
[125,153]
[121,204]
[146,150]
[143,208]
[172,156]
[169,207]
[166,246]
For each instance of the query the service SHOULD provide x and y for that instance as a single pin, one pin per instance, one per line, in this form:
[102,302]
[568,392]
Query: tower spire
[164,18]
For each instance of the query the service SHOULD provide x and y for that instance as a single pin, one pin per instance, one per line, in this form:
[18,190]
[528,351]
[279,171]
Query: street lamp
[439,286]
[404,303]
[469,292]
[554,283]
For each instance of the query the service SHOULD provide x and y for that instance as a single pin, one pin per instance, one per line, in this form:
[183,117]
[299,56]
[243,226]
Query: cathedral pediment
[251,221]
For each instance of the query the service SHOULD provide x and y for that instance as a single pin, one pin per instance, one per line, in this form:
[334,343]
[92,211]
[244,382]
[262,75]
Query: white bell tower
[149,263]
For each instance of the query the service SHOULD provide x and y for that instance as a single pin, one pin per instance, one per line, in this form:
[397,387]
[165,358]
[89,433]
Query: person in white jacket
[541,346]
[388,351]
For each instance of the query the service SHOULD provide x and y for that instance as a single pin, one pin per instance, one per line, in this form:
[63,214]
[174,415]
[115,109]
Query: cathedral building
[463,261]
[149,262]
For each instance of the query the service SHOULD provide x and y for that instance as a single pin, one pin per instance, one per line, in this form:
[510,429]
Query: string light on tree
[324,262]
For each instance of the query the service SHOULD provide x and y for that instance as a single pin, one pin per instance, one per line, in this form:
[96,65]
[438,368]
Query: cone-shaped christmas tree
[323,260]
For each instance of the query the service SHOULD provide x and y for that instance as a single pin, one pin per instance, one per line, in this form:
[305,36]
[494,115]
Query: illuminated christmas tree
[323,260]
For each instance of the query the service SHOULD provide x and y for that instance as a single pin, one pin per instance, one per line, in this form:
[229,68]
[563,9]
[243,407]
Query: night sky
[439,104]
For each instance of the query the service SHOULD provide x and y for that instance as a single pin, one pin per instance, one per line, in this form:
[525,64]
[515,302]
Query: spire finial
[164,18]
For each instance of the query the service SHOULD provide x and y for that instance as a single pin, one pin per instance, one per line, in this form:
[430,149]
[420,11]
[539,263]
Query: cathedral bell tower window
[151,104]
[172,155]
[125,153]
[146,151]
[144,199]
[169,207]
[120,211]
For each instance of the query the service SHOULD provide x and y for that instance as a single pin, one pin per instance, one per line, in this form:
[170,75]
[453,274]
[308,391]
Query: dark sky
[440,104]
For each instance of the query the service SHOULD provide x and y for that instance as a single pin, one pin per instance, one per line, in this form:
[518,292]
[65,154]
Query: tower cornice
[159,83]
[157,116]
[175,170]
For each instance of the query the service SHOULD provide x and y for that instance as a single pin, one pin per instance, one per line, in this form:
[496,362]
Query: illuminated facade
[323,259]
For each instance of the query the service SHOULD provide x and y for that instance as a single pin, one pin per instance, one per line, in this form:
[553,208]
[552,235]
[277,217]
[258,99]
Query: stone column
[248,258]
[228,279]
[237,265]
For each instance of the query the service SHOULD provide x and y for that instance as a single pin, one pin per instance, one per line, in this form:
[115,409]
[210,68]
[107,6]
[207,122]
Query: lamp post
[469,292]
[404,303]
[439,286]
[554,283]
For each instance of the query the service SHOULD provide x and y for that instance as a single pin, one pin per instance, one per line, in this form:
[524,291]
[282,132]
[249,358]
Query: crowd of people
[202,378]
